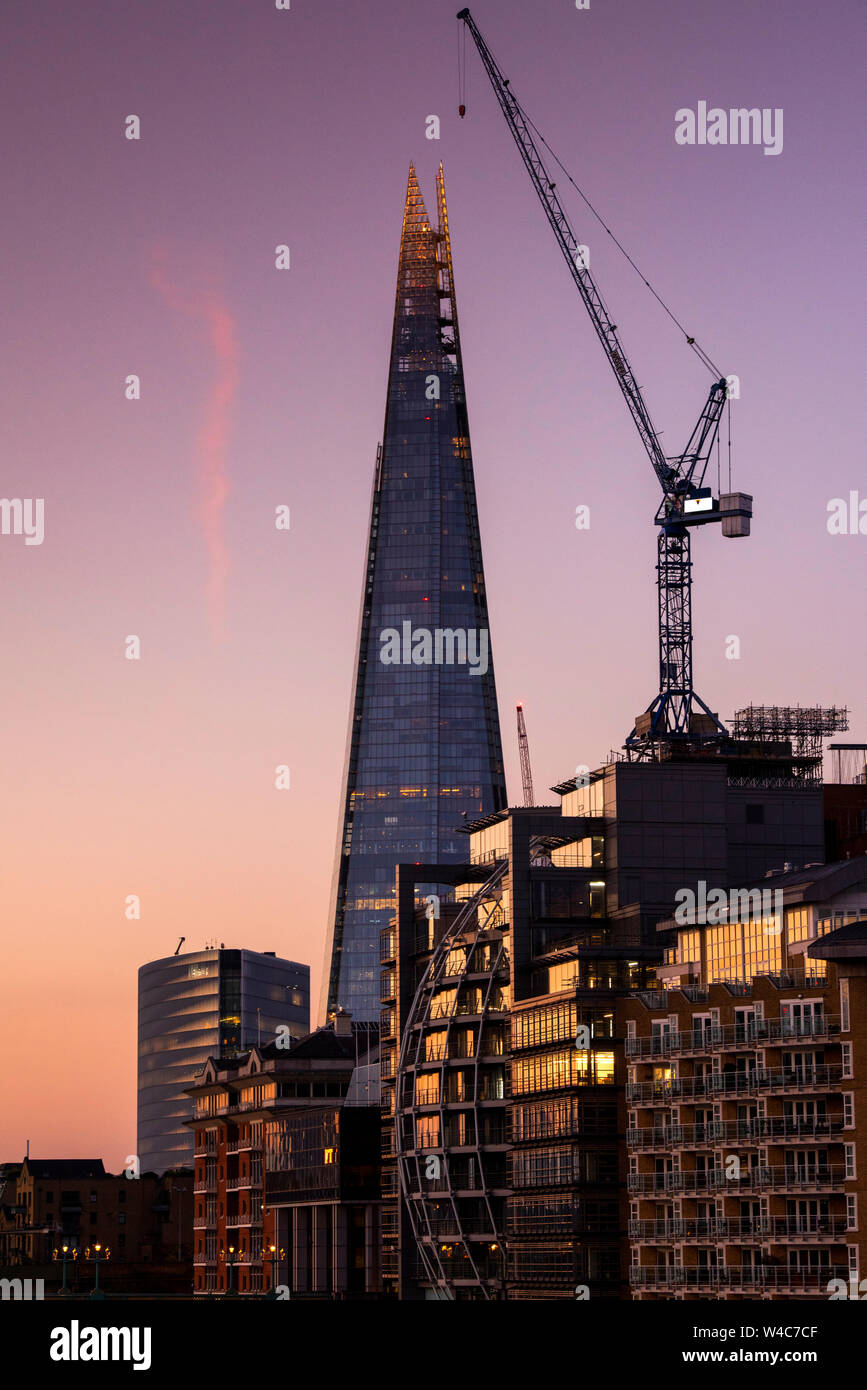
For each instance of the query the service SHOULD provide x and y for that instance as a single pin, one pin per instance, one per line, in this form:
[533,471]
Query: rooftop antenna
[180,944]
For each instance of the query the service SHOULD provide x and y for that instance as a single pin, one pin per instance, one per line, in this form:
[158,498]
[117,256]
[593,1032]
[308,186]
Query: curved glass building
[212,1003]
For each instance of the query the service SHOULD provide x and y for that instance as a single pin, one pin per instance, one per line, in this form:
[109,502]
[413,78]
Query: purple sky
[263,387]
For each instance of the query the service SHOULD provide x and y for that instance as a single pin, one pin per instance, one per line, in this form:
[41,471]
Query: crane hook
[462,111]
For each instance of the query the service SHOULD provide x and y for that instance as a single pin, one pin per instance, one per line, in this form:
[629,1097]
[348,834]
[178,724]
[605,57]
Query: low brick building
[144,1223]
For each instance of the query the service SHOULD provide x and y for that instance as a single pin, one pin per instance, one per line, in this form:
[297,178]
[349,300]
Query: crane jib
[677,710]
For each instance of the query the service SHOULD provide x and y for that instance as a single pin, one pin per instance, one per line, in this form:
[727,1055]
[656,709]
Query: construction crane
[676,712]
[524,752]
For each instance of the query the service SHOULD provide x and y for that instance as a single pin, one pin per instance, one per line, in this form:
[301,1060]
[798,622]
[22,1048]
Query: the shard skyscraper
[423,752]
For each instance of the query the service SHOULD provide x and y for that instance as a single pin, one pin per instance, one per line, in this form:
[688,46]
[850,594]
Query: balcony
[762,1080]
[253,1180]
[757,1032]
[750,1228]
[807,1178]
[831,1228]
[780,1129]
[763,1278]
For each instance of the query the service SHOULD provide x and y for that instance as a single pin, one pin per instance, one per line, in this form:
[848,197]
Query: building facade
[562,905]
[204,1004]
[423,750]
[287,1167]
[141,1226]
[746,1096]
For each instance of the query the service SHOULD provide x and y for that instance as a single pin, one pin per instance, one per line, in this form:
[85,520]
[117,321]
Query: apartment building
[746,1096]
[258,1115]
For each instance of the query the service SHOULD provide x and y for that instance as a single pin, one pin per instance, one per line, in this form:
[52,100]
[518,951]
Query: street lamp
[64,1254]
[501,1251]
[99,1254]
[230,1265]
[272,1292]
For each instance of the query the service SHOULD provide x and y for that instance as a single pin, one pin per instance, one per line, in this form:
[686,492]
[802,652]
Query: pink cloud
[212,444]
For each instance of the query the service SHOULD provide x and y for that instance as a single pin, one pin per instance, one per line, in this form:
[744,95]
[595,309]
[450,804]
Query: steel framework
[524,753]
[805,726]
[425,1179]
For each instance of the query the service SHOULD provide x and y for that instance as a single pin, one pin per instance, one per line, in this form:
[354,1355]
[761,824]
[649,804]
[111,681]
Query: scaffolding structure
[804,726]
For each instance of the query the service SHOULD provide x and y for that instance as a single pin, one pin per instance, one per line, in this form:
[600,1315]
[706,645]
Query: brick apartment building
[282,1108]
[746,1097]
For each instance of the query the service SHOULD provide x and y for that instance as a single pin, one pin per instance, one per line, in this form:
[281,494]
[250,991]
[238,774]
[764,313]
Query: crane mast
[524,753]
[676,711]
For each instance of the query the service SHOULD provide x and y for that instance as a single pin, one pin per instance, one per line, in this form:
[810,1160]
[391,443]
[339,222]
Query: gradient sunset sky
[262,388]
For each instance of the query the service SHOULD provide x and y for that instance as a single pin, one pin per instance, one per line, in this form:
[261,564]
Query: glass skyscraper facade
[424,750]
[213,1003]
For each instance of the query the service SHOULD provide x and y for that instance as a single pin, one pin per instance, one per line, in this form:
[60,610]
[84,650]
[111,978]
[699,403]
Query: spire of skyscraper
[423,752]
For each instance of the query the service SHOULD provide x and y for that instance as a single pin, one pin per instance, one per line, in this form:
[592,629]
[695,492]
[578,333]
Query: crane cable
[462,96]
[728,413]
[696,346]
[462,68]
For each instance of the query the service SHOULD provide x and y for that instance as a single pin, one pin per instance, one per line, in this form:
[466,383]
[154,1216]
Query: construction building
[505,1162]
[846,801]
